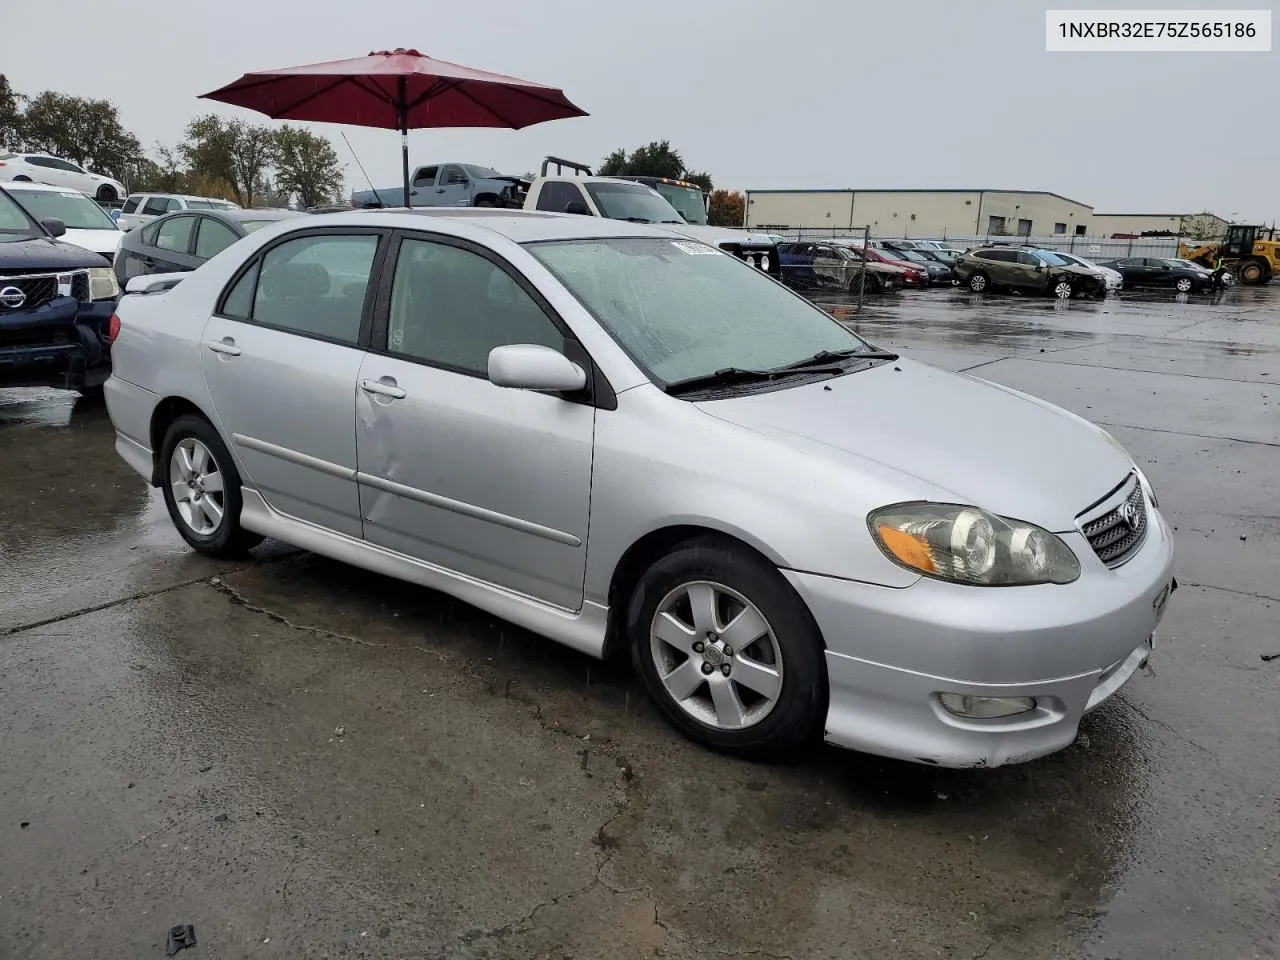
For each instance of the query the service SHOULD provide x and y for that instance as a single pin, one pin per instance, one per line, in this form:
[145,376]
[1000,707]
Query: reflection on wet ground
[303,759]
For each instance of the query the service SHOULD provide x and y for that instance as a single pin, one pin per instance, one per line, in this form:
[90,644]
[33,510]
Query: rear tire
[202,489]
[106,194]
[979,282]
[1252,271]
[870,285]
[21,178]
[485,203]
[763,699]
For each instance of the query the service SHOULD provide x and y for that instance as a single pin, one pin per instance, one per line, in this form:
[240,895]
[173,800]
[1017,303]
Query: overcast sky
[805,93]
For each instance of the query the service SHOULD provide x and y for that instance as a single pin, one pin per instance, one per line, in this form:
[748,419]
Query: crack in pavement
[1155,721]
[1182,433]
[1239,593]
[236,597]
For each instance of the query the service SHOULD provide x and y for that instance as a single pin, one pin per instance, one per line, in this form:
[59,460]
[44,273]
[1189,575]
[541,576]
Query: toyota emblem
[1129,514]
[12,297]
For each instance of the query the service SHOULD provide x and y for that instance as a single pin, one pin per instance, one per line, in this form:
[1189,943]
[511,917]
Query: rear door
[490,482]
[170,244]
[1159,273]
[281,356]
[212,237]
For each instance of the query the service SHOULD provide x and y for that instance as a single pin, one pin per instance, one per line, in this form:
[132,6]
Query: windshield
[211,205]
[14,224]
[632,201]
[74,209]
[688,200]
[1053,260]
[252,225]
[480,173]
[909,255]
[1185,264]
[682,309]
[850,254]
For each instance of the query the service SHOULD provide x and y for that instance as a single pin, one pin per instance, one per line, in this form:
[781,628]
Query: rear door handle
[226,346]
[385,387]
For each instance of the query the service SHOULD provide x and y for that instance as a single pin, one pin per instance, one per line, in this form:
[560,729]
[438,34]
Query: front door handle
[225,346]
[384,387]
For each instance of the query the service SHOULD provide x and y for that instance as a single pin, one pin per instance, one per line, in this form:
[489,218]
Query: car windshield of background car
[911,255]
[480,173]
[74,209]
[252,225]
[682,309]
[632,201]
[687,200]
[14,224]
[1053,260]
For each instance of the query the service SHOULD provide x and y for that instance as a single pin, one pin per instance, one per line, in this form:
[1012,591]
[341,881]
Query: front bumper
[892,652]
[61,344]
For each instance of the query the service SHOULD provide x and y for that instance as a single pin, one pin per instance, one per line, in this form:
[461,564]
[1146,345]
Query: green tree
[10,116]
[307,166]
[233,151]
[655,159]
[85,131]
[727,208]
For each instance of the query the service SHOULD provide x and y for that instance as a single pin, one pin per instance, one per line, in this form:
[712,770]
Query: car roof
[519,226]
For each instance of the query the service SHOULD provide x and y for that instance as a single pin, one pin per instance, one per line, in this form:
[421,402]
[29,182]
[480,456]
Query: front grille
[34,336]
[1117,534]
[39,289]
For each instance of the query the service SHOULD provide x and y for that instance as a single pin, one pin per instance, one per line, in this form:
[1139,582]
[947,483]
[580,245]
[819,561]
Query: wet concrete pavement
[305,760]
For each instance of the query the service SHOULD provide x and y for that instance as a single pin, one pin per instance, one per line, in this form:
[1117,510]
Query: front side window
[214,237]
[682,309]
[159,205]
[175,234]
[450,307]
[454,175]
[315,285]
[14,224]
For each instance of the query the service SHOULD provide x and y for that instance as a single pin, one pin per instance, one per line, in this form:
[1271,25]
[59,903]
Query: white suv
[42,168]
[145,207]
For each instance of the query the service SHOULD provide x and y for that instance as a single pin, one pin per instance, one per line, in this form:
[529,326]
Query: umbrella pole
[404,139]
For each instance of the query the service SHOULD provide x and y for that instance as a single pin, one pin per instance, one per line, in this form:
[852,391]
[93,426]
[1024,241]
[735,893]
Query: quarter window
[450,307]
[213,238]
[175,234]
[315,285]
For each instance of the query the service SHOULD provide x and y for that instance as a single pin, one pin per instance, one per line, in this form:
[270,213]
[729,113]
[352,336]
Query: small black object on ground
[183,935]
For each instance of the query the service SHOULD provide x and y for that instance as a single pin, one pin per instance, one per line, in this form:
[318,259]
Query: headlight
[103,284]
[967,545]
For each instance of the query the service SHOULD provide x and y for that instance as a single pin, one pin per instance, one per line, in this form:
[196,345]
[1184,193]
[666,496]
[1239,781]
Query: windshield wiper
[824,357]
[635,219]
[730,376]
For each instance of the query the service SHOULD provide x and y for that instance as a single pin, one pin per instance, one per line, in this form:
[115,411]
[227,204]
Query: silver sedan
[635,444]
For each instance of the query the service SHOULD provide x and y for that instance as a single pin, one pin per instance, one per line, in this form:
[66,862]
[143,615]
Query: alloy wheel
[196,482]
[716,655]
[1184,284]
[1063,290]
[977,283]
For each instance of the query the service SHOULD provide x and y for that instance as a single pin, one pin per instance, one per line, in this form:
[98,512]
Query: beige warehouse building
[921,213]
[1136,224]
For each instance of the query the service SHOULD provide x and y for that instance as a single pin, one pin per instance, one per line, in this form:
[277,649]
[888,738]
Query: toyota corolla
[635,444]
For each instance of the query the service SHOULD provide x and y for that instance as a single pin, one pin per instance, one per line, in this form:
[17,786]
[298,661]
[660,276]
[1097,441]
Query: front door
[167,246]
[281,358]
[490,482]
[454,189]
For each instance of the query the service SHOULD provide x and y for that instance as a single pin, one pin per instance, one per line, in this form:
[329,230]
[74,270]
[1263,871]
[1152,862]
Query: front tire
[21,178]
[1063,289]
[1184,284]
[979,282]
[485,203]
[728,651]
[202,489]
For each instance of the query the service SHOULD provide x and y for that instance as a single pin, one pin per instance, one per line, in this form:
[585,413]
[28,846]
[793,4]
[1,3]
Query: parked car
[56,301]
[984,269]
[938,271]
[1113,279]
[183,241]
[809,265]
[450,185]
[1220,277]
[786,528]
[87,224]
[913,274]
[1157,272]
[43,168]
[145,207]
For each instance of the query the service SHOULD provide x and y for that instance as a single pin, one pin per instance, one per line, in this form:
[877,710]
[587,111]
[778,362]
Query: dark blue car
[56,301]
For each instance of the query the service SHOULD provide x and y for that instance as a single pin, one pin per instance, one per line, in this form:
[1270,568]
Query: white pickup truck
[618,199]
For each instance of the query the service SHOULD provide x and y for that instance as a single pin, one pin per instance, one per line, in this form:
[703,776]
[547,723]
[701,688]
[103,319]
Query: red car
[916,275]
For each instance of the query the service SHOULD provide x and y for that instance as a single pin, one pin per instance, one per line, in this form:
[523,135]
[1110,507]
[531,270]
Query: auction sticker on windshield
[698,249]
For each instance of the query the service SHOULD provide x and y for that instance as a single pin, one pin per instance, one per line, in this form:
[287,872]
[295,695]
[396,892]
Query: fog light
[985,708]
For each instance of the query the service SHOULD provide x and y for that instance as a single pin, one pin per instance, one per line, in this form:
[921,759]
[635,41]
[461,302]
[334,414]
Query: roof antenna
[362,169]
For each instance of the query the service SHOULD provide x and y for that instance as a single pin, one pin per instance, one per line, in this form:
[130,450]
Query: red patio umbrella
[397,90]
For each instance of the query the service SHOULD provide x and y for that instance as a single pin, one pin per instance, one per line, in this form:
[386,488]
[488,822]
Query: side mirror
[528,366]
[579,207]
[1039,268]
[55,226]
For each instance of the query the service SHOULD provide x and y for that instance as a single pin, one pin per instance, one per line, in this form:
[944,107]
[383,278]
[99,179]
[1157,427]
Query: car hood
[41,253]
[717,235]
[105,242]
[1077,270]
[948,436]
